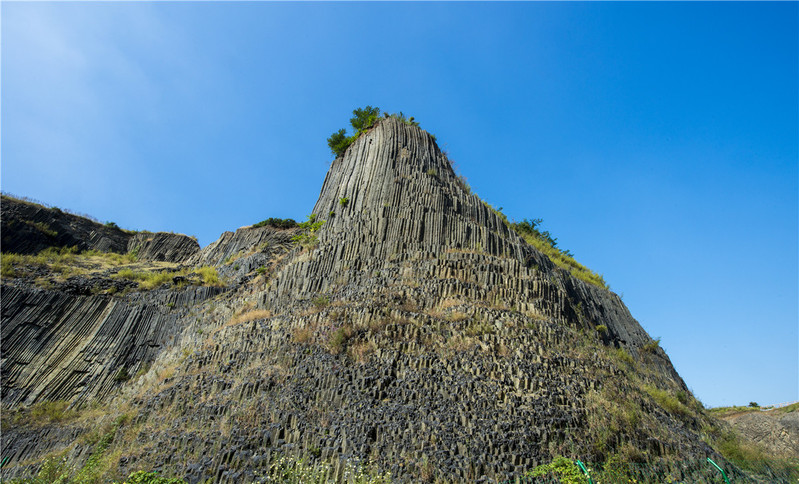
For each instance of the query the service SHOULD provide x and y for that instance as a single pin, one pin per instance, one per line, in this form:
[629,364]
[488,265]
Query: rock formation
[413,330]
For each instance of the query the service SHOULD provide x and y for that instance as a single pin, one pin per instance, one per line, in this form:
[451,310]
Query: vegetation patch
[278,223]
[565,470]
[62,262]
[147,280]
[547,244]
[308,237]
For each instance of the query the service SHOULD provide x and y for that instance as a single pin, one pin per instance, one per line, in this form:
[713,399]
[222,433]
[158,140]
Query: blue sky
[658,141]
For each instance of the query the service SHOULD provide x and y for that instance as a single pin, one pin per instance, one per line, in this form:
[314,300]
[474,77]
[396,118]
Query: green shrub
[362,120]
[564,469]
[602,329]
[43,228]
[209,275]
[278,223]
[343,201]
[307,238]
[339,142]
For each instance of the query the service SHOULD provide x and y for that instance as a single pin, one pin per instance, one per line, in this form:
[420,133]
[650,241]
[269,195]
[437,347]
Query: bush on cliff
[362,120]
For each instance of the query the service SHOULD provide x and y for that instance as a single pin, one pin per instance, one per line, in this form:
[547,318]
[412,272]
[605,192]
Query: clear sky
[658,141]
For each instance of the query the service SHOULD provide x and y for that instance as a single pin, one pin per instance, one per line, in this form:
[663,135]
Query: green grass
[64,261]
[667,401]
[567,262]
[150,280]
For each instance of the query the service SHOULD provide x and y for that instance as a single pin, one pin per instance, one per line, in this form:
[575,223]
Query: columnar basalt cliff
[413,330]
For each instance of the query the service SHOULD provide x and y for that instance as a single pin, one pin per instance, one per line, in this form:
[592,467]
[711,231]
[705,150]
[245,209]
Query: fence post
[585,471]
[723,474]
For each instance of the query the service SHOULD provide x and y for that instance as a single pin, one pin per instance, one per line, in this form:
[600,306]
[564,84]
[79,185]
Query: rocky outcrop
[776,431]
[393,201]
[58,346]
[161,246]
[28,228]
[245,241]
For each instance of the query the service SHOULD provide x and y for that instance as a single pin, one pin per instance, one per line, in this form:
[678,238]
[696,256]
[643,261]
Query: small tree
[339,142]
[364,118]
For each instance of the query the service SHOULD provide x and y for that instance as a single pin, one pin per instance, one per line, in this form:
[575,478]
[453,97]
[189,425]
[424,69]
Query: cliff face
[28,228]
[414,330]
[393,201]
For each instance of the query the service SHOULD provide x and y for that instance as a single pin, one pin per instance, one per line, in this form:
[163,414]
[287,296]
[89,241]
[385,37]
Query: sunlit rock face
[413,329]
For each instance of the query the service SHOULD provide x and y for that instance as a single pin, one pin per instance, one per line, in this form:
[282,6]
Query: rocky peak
[395,187]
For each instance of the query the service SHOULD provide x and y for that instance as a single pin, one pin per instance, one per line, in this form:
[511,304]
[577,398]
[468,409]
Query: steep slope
[413,330]
[29,228]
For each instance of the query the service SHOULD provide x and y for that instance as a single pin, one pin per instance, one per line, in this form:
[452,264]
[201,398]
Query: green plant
[49,412]
[667,401]
[261,270]
[290,470]
[43,228]
[320,302]
[362,120]
[308,238]
[564,469]
[625,357]
[548,245]
[111,225]
[432,172]
[401,118]
[339,142]
[278,223]
[754,405]
[338,338]
[602,329]
[652,346]
[7,266]
[343,201]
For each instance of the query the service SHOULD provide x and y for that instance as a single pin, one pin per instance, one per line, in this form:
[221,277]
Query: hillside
[405,327]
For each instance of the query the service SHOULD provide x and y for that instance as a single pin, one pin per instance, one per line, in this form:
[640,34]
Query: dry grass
[303,335]
[250,316]
[361,351]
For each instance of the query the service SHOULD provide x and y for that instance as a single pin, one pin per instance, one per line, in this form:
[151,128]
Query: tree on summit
[362,120]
